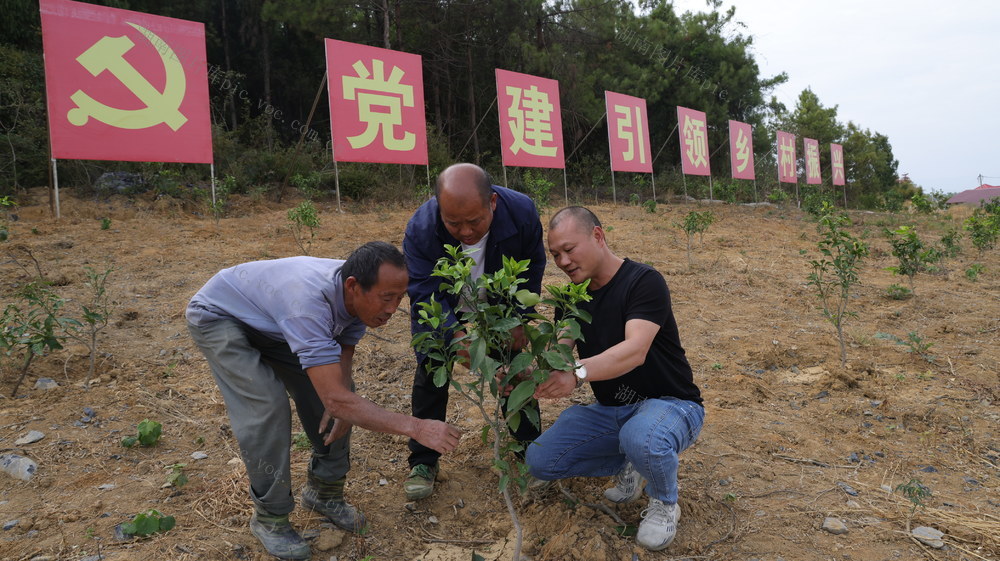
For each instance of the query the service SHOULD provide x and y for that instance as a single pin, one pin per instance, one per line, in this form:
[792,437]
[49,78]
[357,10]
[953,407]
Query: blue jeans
[595,440]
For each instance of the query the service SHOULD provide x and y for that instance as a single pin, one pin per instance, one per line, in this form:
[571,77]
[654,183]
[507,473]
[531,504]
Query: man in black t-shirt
[648,407]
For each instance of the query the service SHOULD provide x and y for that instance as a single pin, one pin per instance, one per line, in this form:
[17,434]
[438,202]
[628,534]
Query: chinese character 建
[530,121]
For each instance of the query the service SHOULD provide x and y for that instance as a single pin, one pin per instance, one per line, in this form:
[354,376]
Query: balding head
[466,200]
[463,181]
[578,216]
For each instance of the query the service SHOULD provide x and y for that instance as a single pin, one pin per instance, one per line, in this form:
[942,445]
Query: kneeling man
[648,407]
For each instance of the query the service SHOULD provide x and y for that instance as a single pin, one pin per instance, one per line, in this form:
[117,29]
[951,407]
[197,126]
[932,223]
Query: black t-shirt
[637,291]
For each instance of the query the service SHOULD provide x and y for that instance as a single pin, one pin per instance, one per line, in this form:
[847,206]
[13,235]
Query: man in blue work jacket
[490,222]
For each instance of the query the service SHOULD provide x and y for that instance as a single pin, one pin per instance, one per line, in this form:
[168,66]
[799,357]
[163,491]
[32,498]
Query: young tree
[501,377]
[836,272]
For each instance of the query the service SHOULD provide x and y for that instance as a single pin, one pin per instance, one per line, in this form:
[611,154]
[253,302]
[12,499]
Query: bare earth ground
[788,432]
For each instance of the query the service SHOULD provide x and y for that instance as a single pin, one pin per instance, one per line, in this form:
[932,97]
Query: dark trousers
[431,402]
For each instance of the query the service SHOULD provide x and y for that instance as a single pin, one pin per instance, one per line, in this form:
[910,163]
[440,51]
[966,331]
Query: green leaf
[167,523]
[477,352]
[146,525]
[440,376]
[627,530]
[532,414]
[527,298]
[520,362]
[556,360]
[514,420]
[477,557]
[521,394]
[484,434]
[506,324]
[129,528]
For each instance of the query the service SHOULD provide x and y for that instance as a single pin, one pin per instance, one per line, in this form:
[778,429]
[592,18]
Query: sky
[925,74]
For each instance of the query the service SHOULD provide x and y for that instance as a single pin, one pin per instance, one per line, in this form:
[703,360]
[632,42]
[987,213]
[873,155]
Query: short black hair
[484,185]
[364,262]
[584,217]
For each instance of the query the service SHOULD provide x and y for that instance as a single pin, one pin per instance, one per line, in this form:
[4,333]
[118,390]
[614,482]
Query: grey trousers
[256,375]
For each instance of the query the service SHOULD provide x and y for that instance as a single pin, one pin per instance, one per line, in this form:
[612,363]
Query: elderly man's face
[466,217]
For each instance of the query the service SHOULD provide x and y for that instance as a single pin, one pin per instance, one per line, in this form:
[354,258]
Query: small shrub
[915,492]
[914,343]
[301,218]
[972,273]
[921,203]
[633,199]
[950,246]
[696,223]
[308,184]
[910,250]
[983,228]
[898,292]
[148,523]
[105,223]
[148,434]
[300,441]
[538,187]
[777,197]
[836,272]
[176,477]
[650,206]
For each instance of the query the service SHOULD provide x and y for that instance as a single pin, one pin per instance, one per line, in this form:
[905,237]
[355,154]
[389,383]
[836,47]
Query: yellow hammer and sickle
[107,54]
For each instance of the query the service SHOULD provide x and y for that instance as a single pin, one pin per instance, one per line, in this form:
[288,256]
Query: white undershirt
[477,252]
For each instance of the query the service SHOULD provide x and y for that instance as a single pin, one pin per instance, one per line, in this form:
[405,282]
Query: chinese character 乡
[380,105]
[530,121]
[742,151]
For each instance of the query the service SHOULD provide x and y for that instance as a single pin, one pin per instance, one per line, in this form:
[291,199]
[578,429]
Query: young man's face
[375,306]
[575,250]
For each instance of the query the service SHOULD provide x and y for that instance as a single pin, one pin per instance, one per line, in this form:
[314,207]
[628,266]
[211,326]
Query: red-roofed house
[976,196]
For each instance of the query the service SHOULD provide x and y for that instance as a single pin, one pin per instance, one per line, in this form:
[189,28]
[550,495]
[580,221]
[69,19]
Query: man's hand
[561,383]
[518,338]
[340,428]
[437,435]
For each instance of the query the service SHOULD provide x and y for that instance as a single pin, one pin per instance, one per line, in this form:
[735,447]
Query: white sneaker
[628,485]
[658,526]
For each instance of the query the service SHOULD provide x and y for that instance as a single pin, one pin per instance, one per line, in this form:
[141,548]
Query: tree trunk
[385,24]
[225,50]
[472,102]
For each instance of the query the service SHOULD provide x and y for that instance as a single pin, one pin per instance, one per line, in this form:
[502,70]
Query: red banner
[786,158]
[125,85]
[530,121]
[692,126]
[837,163]
[811,147]
[376,104]
[628,133]
[741,150]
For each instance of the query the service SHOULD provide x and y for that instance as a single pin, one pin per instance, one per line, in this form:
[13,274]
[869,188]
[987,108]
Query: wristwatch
[580,373]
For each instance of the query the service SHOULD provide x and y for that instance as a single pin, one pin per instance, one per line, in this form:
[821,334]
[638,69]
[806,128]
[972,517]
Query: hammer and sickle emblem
[107,54]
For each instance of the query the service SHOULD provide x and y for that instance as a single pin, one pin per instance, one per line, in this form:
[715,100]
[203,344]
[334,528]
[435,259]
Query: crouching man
[648,407]
[288,327]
